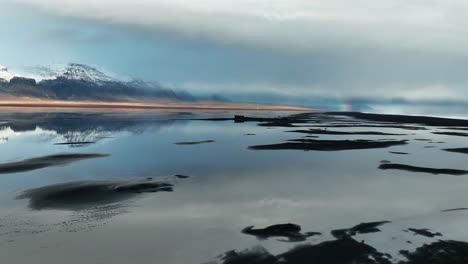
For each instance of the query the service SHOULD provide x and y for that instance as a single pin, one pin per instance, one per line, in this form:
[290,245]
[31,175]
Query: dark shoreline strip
[405,119]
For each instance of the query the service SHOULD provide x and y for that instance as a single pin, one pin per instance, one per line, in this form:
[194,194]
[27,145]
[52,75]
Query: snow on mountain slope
[75,71]
[5,74]
[82,82]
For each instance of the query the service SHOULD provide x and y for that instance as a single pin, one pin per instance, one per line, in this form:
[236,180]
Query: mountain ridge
[83,82]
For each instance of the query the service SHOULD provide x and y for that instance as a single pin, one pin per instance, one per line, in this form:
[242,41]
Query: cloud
[387,91]
[70,35]
[410,49]
[292,25]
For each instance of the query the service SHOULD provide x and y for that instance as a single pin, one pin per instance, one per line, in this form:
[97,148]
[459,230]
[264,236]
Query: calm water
[229,187]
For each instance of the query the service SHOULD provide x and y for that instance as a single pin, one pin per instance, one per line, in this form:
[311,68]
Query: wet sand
[295,206]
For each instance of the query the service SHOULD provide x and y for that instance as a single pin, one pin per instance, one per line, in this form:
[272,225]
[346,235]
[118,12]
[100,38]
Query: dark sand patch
[256,255]
[398,153]
[77,143]
[349,251]
[454,128]
[440,252]
[454,209]
[458,134]
[331,132]
[362,228]
[180,176]
[88,194]
[330,145]
[341,251]
[46,161]
[194,142]
[290,231]
[395,166]
[424,232]
[274,122]
[457,150]
[422,139]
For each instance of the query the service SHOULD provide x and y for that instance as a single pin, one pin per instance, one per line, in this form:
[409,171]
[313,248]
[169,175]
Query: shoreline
[148,106]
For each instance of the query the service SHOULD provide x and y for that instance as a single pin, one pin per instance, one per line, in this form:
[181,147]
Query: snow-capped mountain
[5,75]
[83,82]
[75,71]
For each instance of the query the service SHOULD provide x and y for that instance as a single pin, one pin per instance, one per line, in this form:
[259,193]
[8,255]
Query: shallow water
[106,209]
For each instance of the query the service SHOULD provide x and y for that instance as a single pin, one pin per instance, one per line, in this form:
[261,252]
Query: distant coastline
[146,106]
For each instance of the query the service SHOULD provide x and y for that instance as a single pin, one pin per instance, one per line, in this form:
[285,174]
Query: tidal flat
[232,187]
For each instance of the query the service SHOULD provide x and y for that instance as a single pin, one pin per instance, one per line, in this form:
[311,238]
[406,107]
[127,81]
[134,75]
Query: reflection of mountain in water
[79,129]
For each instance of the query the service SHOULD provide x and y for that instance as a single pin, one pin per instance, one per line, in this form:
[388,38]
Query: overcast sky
[410,49]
